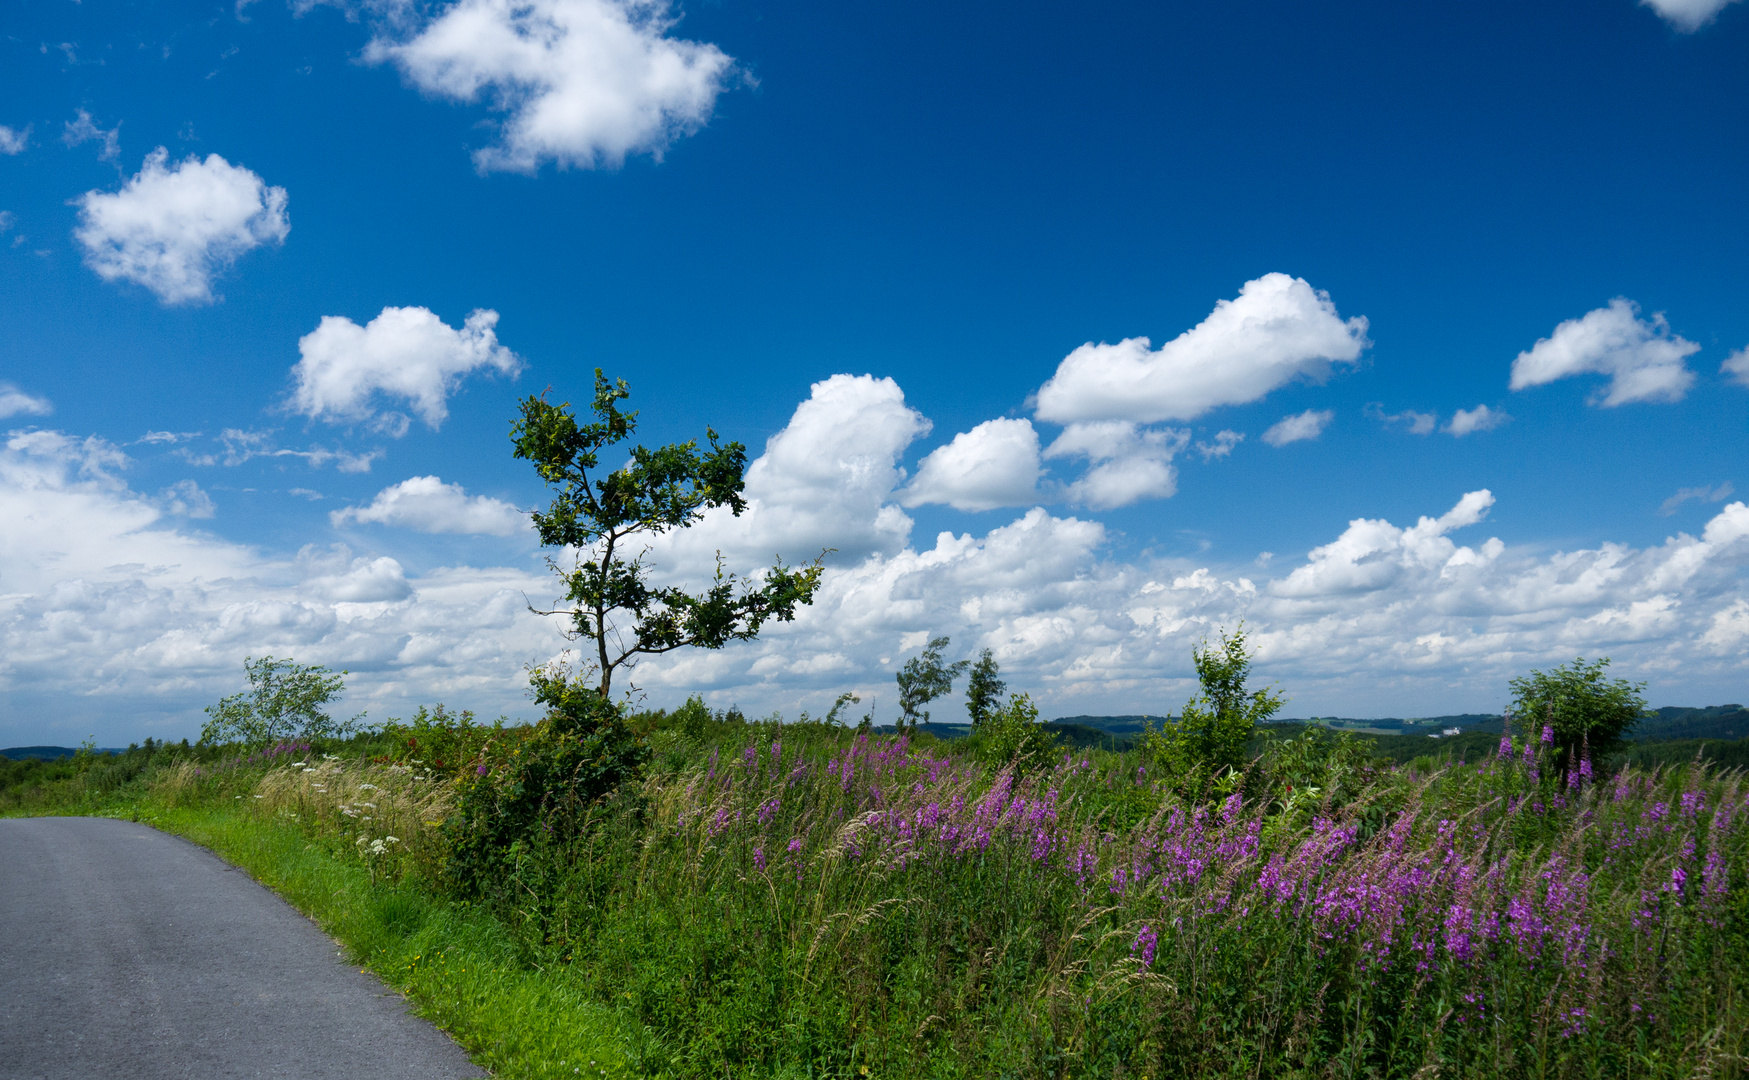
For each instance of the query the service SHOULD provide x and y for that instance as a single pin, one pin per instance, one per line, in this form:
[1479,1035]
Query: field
[777,900]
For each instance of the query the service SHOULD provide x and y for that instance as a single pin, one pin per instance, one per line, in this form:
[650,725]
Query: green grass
[755,909]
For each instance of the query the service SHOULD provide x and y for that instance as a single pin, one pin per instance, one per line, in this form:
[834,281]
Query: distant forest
[1720,733]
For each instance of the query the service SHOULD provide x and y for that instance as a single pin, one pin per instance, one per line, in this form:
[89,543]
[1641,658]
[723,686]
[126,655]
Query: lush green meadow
[769,899]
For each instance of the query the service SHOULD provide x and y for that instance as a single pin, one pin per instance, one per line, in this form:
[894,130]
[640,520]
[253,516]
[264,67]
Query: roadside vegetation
[695,893]
[760,898]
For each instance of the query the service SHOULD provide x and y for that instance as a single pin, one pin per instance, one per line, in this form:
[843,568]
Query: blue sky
[730,204]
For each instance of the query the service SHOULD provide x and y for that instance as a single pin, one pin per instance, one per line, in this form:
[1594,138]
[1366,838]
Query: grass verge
[457,965]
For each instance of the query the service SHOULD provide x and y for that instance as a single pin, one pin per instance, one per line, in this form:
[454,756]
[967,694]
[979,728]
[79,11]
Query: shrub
[1204,749]
[1013,735]
[285,700]
[546,789]
[1584,709]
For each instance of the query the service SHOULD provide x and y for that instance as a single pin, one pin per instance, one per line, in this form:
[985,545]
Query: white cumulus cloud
[1644,360]
[827,480]
[14,140]
[582,83]
[173,228]
[185,499]
[1736,366]
[1371,554]
[1129,463]
[427,504]
[1299,427]
[114,615]
[1687,16]
[156,619]
[15,402]
[995,464]
[1278,328]
[406,354]
[1222,446]
[1481,418]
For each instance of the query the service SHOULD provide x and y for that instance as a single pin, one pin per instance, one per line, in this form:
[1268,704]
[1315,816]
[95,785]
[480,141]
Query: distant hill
[1711,722]
[49,753]
[1672,733]
[1115,725]
[1389,725]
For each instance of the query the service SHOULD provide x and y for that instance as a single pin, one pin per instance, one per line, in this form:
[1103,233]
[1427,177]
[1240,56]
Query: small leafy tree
[984,689]
[924,678]
[1205,747]
[1013,735]
[846,698]
[607,516]
[554,783]
[284,699]
[1581,703]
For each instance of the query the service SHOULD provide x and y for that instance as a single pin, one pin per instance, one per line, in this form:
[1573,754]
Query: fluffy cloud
[1222,446]
[185,499]
[1643,359]
[994,464]
[1372,554]
[15,402]
[825,481]
[1736,366]
[117,616]
[173,228]
[1299,427]
[584,83]
[1687,16]
[115,619]
[406,353]
[1129,463]
[427,504]
[13,140]
[1278,329]
[1481,418]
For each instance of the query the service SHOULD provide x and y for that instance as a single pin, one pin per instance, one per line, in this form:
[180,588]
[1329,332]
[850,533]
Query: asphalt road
[129,953]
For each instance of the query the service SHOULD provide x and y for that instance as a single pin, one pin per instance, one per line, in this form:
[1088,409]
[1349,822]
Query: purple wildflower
[1143,946]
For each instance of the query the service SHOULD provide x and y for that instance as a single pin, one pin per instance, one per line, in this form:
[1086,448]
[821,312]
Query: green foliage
[1319,769]
[924,678]
[1078,920]
[285,700]
[844,699]
[444,741]
[604,516]
[547,788]
[984,688]
[1013,735]
[693,718]
[1204,749]
[1581,704]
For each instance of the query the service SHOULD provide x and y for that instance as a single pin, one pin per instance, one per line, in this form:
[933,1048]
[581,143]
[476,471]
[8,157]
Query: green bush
[545,790]
[1203,751]
[1013,735]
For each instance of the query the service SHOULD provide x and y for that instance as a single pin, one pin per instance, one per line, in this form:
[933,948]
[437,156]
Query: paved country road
[131,954]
